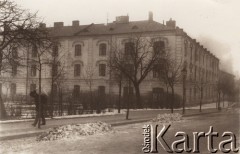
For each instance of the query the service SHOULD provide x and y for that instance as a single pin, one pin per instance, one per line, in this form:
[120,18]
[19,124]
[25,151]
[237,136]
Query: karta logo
[152,138]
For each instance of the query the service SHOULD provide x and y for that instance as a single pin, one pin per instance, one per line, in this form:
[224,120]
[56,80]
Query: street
[129,138]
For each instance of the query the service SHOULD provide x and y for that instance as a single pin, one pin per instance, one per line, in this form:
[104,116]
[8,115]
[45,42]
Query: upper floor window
[55,51]
[129,48]
[158,47]
[78,50]
[33,70]
[185,48]
[102,69]
[34,51]
[102,49]
[77,69]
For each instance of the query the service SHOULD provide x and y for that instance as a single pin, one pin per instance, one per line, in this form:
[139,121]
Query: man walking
[40,107]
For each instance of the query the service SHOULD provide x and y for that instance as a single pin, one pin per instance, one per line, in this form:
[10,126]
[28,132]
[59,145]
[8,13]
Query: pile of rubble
[167,118]
[74,131]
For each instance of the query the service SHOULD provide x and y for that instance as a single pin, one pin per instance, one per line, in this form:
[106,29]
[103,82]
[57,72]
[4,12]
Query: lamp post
[184,73]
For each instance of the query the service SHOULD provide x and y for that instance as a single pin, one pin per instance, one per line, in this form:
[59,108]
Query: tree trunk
[3,110]
[51,108]
[200,109]
[223,100]
[3,113]
[119,96]
[219,100]
[39,95]
[172,102]
[128,101]
[138,96]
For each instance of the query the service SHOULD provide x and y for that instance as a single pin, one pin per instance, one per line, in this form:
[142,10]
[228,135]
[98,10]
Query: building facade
[84,52]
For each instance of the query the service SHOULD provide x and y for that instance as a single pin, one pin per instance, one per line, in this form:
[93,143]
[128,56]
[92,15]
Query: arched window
[158,47]
[77,69]
[102,49]
[78,50]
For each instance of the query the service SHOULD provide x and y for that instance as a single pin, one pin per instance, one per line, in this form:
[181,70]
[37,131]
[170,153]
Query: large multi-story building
[85,48]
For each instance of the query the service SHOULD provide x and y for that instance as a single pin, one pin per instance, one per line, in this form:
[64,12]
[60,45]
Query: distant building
[85,46]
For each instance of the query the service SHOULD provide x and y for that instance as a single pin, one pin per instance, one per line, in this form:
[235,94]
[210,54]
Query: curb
[113,124]
[34,133]
[197,114]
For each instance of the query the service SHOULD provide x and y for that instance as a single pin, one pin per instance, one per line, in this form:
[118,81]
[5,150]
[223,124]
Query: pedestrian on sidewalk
[40,114]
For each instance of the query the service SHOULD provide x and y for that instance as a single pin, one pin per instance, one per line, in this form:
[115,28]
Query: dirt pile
[74,131]
[167,118]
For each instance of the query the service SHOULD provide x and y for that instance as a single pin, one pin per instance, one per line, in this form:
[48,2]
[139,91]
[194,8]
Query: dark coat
[36,100]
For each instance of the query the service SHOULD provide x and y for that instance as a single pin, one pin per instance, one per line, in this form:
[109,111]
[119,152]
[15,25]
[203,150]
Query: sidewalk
[13,130]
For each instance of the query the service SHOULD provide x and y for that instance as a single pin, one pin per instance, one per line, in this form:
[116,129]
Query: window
[78,50]
[127,91]
[14,69]
[76,91]
[196,55]
[129,48]
[155,71]
[14,53]
[54,69]
[102,69]
[77,69]
[191,50]
[34,51]
[157,92]
[55,51]
[158,47]
[129,68]
[101,91]
[54,90]
[102,49]
[33,87]
[185,48]
[13,89]
[34,70]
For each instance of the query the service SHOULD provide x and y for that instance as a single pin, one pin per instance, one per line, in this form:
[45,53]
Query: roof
[111,28]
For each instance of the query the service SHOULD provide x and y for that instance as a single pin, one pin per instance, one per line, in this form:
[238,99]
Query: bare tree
[135,61]
[57,65]
[169,71]
[17,26]
[200,86]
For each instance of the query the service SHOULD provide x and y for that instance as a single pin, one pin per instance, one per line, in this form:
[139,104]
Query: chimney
[58,24]
[150,16]
[122,19]
[75,23]
[171,23]
[42,25]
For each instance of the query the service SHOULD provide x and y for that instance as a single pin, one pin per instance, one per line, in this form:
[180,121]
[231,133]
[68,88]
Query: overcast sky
[215,23]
